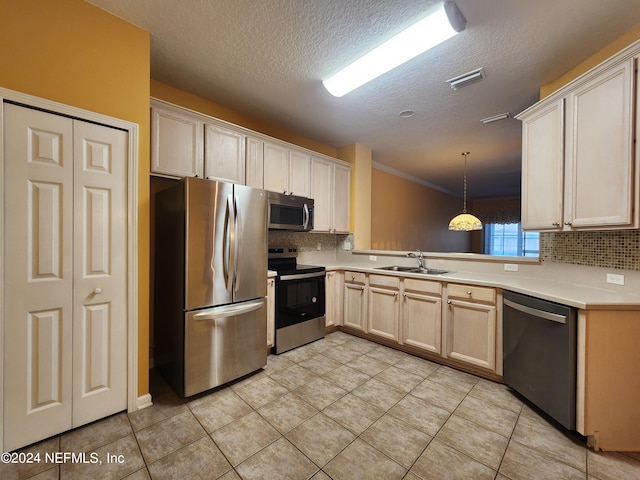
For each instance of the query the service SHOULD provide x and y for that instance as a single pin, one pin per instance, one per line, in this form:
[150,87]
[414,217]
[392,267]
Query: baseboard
[144,401]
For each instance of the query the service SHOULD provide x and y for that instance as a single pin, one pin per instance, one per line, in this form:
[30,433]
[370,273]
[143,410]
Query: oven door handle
[554,317]
[228,311]
[299,276]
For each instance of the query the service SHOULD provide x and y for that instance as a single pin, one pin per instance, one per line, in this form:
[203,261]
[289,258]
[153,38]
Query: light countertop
[571,294]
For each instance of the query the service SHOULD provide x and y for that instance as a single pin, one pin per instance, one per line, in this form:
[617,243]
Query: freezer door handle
[554,317]
[229,310]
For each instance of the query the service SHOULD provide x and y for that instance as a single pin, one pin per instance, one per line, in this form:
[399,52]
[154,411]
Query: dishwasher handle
[554,317]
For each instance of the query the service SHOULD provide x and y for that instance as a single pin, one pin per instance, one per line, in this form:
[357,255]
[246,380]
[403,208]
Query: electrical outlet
[510,267]
[615,278]
[347,245]
[373,258]
[319,246]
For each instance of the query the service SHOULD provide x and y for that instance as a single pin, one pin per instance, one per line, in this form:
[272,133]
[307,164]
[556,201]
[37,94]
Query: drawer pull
[469,292]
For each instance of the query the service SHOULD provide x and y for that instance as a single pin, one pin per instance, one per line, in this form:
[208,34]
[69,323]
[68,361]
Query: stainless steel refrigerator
[210,281]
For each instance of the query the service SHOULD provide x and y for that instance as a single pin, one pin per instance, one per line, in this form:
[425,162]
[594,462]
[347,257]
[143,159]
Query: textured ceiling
[266,58]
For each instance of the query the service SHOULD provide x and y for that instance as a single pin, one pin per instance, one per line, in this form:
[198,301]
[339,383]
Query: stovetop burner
[284,261]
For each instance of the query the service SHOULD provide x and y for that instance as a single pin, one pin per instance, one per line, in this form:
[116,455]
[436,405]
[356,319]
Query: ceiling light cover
[465,222]
[411,42]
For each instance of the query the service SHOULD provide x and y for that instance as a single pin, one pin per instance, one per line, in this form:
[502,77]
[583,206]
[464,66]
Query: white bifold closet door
[65,343]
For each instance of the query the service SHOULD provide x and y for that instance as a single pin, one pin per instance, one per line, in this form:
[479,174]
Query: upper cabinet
[188,144]
[176,142]
[286,170]
[330,182]
[580,170]
[224,154]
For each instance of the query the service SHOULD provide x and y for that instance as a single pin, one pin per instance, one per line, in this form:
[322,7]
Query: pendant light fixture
[465,222]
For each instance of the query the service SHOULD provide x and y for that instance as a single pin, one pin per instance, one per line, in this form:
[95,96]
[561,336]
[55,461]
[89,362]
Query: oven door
[299,297]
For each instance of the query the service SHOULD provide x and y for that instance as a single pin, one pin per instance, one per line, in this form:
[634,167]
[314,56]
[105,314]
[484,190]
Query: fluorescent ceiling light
[418,38]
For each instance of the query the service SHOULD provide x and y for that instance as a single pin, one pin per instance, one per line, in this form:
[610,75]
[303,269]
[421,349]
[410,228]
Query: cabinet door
[276,168]
[176,143]
[543,168]
[384,312]
[341,198]
[422,321]
[254,162]
[223,154]
[299,174]
[321,192]
[601,150]
[354,306]
[470,333]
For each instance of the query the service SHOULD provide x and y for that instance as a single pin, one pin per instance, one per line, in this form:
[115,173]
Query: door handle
[228,310]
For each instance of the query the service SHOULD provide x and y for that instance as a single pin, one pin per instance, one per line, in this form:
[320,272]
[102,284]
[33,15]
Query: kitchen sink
[425,271]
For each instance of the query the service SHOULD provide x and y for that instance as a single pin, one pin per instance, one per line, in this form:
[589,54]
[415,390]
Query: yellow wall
[74,53]
[408,216]
[359,156]
[193,102]
[599,57]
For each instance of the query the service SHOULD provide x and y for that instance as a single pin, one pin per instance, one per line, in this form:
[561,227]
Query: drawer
[422,286]
[389,281]
[354,277]
[469,292]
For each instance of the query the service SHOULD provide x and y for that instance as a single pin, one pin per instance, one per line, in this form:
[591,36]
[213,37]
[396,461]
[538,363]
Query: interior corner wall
[74,53]
[359,156]
[406,215]
[595,59]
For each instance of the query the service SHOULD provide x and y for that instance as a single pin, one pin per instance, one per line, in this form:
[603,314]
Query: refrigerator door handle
[228,250]
[238,241]
[229,310]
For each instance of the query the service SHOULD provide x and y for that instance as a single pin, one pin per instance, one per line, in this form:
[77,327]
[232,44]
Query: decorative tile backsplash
[309,241]
[610,249]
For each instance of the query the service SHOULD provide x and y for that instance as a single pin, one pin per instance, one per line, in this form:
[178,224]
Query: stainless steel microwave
[289,212]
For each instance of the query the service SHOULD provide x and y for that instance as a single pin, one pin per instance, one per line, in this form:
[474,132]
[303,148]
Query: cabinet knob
[395,294]
[568,224]
[353,277]
[449,302]
[555,224]
[361,288]
[404,295]
[469,292]
[97,291]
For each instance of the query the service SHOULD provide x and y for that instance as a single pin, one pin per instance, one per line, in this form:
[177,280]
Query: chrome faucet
[419,257]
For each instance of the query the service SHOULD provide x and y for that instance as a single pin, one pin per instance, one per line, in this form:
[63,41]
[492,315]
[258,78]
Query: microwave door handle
[305,222]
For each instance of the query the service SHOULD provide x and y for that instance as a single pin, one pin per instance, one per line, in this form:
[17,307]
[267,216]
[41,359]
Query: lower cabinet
[383,306]
[355,301]
[470,323]
[421,317]
[333,294]
[461,323]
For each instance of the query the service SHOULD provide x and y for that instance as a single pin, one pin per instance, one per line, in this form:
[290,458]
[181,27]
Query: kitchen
[126,94]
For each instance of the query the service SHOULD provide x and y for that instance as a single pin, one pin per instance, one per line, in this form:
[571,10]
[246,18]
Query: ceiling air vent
[466,79]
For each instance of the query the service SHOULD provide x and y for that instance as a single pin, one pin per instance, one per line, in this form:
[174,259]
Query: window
[509,240]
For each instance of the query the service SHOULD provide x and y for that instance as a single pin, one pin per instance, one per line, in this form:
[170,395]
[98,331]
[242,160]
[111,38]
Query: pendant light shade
[465,222]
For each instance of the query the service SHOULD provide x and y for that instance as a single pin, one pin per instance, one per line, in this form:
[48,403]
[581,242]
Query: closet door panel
[100,291]
[38,173]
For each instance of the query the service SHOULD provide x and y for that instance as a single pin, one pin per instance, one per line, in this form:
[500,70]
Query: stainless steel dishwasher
[539,341]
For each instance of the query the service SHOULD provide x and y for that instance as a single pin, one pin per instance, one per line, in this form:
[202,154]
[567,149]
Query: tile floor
[339,408]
